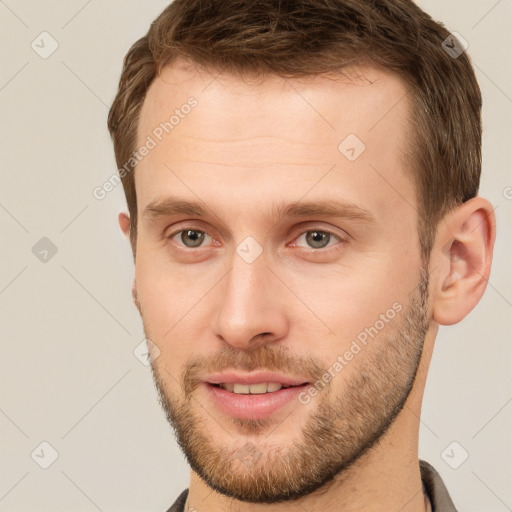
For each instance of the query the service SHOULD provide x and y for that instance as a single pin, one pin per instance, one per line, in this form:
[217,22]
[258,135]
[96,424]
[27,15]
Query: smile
[252,389]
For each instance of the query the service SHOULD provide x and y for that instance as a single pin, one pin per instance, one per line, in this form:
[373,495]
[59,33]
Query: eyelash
[326,231]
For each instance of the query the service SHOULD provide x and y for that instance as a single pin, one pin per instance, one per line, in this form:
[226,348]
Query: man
[301,179]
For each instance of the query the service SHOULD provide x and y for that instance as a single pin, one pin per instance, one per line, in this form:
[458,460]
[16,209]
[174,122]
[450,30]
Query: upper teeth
[253,389]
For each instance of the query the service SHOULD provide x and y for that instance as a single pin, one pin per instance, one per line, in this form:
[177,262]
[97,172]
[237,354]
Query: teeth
[253,389]
[243,389]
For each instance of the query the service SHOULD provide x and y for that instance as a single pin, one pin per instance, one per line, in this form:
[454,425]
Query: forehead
[247,133]
[357,98]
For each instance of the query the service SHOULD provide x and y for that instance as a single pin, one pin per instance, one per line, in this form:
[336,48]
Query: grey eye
[318,239]
[192,237]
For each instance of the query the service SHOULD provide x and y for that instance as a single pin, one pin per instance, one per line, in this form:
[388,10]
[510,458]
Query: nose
[250,306]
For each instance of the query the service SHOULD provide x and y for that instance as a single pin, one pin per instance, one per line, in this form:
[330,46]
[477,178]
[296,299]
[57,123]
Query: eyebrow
[171,206]
[329,208]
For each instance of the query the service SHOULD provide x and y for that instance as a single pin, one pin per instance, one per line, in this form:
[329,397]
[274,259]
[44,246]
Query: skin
[247,147]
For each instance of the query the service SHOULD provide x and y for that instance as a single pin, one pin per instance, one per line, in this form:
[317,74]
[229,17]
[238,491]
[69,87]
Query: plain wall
[68,374]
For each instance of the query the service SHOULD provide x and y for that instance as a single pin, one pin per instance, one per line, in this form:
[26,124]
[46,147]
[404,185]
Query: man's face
[299,257]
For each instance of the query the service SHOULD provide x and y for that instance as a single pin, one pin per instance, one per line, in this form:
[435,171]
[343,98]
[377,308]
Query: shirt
[438,494]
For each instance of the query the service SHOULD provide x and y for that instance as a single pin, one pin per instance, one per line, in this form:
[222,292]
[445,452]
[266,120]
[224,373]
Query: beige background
[68,374]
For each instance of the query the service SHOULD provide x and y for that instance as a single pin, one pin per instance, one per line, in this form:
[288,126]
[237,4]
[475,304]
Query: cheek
[173,302]
[356,299]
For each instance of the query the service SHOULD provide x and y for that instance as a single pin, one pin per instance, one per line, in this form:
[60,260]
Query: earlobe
[462,253]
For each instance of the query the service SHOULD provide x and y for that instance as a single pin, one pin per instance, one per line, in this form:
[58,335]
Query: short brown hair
[311,37]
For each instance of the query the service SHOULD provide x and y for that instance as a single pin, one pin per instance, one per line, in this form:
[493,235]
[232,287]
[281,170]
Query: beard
[338,431]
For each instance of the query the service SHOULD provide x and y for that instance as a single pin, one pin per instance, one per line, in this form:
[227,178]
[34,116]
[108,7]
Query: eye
[317,239]
[190,238]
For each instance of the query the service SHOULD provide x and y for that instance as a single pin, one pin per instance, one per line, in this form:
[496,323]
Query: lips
[253,395]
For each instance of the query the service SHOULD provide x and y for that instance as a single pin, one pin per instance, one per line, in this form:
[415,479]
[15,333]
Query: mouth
[255,389]
[254,396]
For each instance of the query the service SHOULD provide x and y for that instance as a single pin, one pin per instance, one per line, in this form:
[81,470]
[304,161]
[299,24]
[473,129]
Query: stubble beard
[335,435]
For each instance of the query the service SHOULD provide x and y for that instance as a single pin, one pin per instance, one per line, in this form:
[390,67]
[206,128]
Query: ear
[461,259]
[124,224]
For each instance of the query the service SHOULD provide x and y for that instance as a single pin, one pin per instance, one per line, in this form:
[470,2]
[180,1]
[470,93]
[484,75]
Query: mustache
[260,357]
